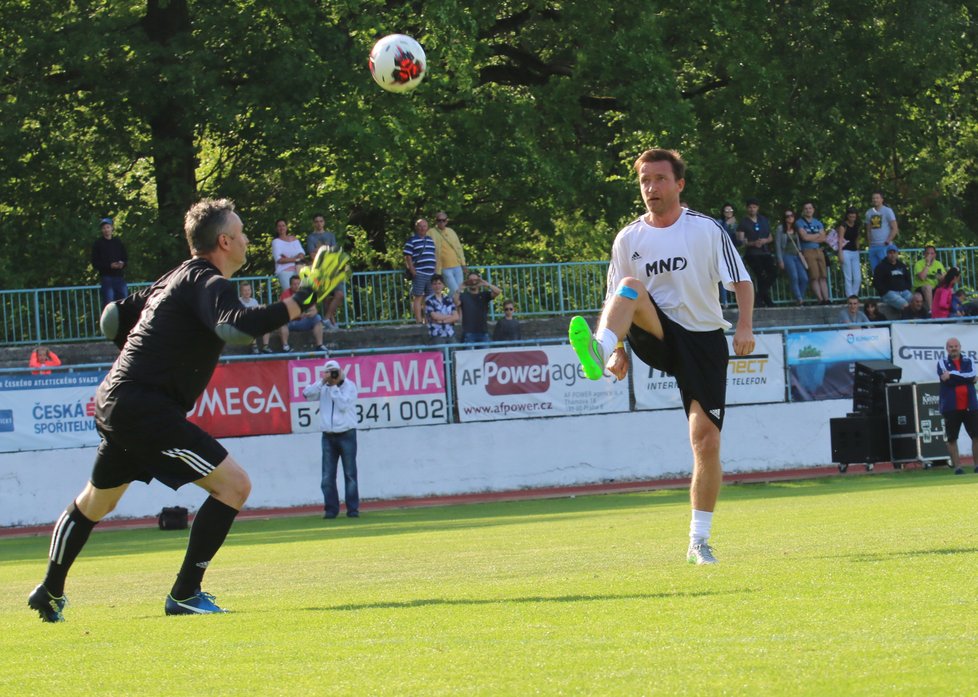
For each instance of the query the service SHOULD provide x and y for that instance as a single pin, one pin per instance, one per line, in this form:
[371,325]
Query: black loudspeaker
[901,414]
[859,439]
[869,386]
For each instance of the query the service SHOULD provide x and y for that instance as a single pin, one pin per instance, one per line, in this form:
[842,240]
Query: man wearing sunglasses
[449,255]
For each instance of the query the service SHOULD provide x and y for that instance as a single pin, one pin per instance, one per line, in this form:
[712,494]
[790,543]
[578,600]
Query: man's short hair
[318,215]
[752,202]
[853,297]
[293,277]
[437,277]
[204,223]
[663,155]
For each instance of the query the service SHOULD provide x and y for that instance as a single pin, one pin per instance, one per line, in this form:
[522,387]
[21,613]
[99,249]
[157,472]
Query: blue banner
[821,364]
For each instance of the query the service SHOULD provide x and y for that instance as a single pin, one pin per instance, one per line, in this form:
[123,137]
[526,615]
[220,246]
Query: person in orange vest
[41,357]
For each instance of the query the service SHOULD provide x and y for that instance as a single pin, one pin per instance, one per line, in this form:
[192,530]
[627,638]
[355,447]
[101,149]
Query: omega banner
[752,379]
[47,412]
[918,347]
[521,383]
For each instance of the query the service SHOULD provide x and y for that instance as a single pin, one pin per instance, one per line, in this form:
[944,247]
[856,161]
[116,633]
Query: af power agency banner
[754,379]
[521,383]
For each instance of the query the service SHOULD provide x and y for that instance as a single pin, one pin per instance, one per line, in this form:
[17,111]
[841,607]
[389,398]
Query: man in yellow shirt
[450,259]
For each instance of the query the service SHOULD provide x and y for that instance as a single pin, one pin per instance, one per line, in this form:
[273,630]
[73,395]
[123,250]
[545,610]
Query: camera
[334,374]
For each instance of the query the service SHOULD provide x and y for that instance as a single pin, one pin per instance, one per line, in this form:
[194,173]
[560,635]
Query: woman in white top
[287,252]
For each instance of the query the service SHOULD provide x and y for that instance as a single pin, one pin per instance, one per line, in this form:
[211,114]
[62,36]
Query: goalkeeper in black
[171,336]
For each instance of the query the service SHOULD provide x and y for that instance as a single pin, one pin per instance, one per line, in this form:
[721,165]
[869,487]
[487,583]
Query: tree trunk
[172,127]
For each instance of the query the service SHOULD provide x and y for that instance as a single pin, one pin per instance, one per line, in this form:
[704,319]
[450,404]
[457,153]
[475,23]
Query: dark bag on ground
[173,518]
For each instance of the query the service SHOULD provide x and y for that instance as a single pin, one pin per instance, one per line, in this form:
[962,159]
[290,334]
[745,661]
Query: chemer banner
[397,389]
[821,364]
[918,347]
[754,379]
[245,399]
[48,412]
[521,383]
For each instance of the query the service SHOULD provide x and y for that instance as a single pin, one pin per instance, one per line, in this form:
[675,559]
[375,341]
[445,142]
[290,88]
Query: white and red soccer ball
[397,63]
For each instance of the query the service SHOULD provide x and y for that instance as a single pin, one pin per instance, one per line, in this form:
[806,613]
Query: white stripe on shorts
[192,459]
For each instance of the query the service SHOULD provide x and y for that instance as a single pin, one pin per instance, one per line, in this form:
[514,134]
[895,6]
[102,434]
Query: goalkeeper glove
[328,270]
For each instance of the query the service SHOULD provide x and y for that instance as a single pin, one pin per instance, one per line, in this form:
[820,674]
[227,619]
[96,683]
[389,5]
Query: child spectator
[247,299]
[507,327]
[872,311]
[41,357]
[945,304]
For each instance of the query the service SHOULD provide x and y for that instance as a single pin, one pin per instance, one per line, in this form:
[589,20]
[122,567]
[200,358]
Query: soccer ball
[397,63]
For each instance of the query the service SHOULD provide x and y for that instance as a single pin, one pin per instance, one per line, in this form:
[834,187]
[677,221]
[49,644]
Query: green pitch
[850,585]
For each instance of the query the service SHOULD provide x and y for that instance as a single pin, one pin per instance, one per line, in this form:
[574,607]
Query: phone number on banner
[389,412]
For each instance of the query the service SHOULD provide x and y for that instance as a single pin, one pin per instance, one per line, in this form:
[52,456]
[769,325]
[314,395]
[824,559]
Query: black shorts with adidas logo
[146,436]
[698,361]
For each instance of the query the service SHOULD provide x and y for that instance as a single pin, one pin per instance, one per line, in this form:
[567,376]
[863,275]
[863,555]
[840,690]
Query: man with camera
[338,420]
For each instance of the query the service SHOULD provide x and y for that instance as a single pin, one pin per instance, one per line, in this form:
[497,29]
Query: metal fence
[71,313]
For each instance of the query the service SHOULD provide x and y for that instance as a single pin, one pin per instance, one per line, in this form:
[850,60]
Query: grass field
[847,585]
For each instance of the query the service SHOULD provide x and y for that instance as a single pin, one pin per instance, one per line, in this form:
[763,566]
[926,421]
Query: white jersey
[680,266]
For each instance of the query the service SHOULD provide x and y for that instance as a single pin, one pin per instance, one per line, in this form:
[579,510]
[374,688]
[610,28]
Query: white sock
[608,341]
[699,526]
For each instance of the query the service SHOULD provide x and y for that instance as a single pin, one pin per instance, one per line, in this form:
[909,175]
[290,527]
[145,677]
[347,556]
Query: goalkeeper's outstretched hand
[328,270]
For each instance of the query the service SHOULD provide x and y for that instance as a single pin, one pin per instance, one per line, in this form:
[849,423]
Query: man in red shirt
[959,402]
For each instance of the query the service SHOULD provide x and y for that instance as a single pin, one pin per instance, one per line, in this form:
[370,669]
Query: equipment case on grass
[915,423]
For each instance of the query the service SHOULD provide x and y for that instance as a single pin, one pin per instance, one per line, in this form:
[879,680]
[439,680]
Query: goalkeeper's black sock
[207,534]
[69,536]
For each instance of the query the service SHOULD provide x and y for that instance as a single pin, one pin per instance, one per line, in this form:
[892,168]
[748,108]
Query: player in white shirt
[662,295]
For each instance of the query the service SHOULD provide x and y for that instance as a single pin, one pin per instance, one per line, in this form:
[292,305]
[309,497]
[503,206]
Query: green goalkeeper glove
[328,270]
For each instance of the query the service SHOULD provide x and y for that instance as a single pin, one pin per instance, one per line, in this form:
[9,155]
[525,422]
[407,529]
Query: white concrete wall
[452,459]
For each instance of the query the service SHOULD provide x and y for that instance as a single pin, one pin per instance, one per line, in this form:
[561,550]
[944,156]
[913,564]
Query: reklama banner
[521,383]
[396,389]
[754,379]
[48,412]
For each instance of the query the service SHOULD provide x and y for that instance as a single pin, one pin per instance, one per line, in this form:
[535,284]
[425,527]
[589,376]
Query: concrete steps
[351,339]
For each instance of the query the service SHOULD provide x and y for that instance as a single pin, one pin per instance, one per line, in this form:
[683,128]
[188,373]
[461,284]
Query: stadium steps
[350,339]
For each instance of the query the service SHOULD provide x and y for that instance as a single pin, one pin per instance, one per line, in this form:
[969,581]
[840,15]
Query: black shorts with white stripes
[698,361]
[146,436]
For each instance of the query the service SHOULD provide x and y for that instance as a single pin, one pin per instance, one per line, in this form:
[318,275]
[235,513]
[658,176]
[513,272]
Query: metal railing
[71,313]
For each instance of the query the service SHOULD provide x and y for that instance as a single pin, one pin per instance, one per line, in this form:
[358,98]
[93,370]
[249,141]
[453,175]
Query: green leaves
[524,129]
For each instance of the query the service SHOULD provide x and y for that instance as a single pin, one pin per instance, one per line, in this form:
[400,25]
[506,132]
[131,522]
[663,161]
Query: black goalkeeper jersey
[176,343]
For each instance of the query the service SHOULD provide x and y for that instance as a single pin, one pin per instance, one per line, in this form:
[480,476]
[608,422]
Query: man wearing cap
[109,259]
[338,421]
[449,257]
[892,280]
[754,232]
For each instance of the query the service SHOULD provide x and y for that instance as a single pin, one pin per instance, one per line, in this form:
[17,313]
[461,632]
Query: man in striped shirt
[419,259]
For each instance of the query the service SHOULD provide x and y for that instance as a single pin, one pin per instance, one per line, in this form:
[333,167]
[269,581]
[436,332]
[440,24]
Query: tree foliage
[524,129]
